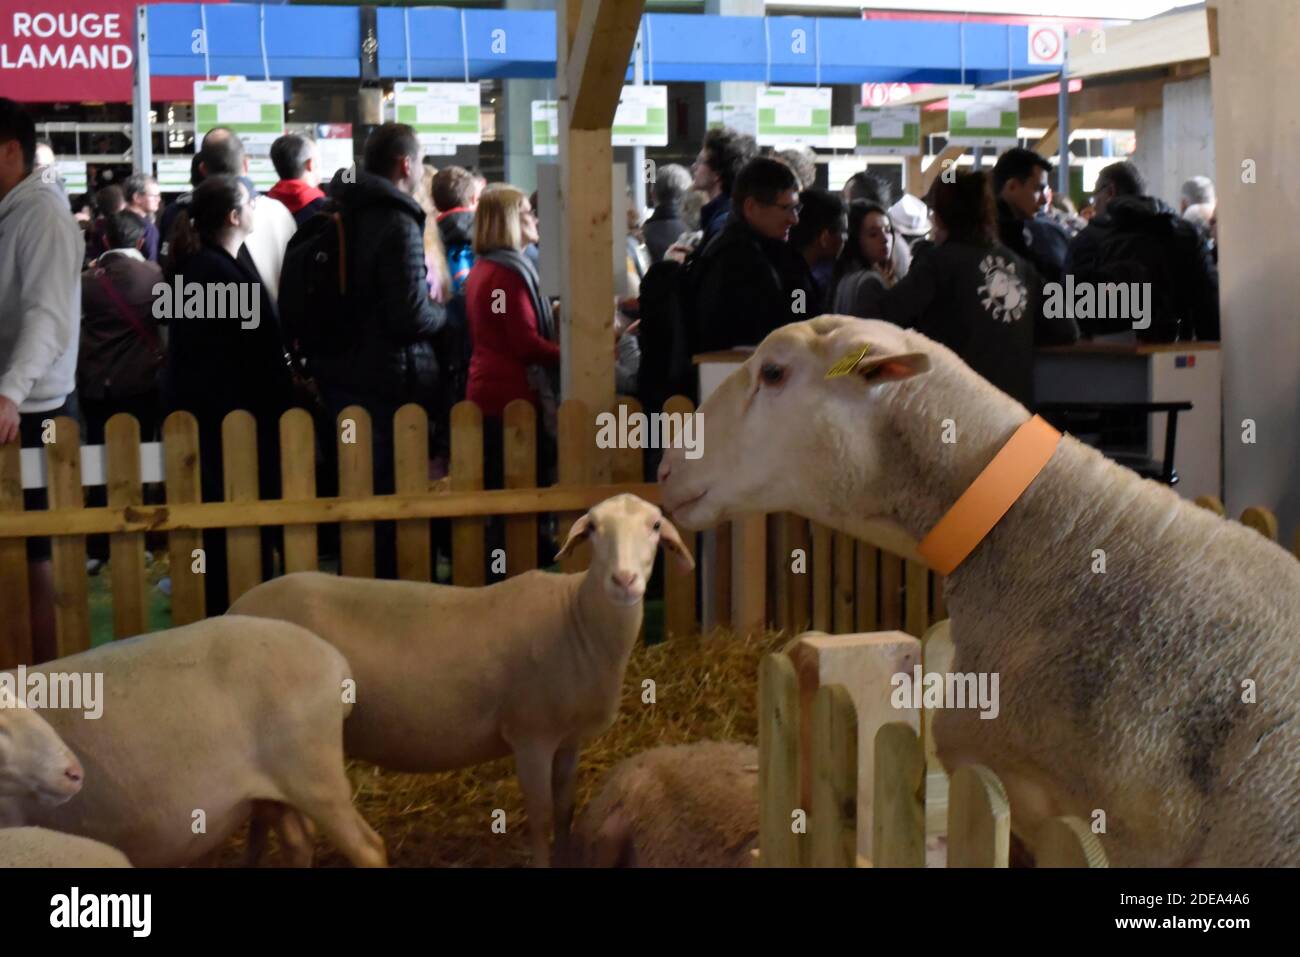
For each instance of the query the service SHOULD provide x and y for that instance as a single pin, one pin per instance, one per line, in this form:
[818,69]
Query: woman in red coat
[516,352]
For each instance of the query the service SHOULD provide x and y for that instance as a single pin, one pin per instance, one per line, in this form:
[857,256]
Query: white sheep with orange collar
[1162,691]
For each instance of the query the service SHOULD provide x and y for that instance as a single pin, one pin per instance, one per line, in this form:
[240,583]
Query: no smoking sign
[1046,45]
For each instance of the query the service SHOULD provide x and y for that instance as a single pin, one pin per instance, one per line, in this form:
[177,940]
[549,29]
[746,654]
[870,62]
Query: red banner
[69,51]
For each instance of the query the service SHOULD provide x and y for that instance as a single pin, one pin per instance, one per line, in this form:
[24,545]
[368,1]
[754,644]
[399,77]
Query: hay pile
[704,688]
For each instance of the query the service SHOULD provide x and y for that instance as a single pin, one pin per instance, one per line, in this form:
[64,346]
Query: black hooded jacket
[396,320]
[1140,239]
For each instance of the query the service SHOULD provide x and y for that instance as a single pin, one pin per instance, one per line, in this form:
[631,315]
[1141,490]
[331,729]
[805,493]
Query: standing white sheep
[692,805]
[450,677]
[37,847]
[1157,698]
[200,726]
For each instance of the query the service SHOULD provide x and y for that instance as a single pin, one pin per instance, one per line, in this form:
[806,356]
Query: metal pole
[638,152]
[142,132]
[1063,119]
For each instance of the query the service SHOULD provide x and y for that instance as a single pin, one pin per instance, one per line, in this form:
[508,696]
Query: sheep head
[783,435]
[34,761]
[625,532]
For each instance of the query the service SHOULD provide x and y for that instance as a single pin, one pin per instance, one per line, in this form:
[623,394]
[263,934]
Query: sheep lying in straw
[1162,692]
[448,677]
[200,725]
[35,763]
[37,847]
[693,805]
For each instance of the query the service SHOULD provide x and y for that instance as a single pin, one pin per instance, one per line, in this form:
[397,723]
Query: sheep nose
[74,772]
[624,579]
[665,469]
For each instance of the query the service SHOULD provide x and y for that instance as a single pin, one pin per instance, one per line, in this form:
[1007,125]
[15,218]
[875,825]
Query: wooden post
[519,433]
[898,811]
[1067,842]
[1212,503]
[918,598]
[864,665]
[15,612]
[822,577]
[411,464]
[594,42]
[891,586]
[778,762]
[575,468]
[356,477]
[749,573]
[184,487]
[468,549]
[126,549]
[71,591]
[680,617]
[298,481]
[842,605]
[1261,520]
[239,475]
[834,779]
[979,819]
[868,607]
[798,538]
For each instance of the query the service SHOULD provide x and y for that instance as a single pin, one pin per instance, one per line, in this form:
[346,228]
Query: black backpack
[313,301]
[667,332]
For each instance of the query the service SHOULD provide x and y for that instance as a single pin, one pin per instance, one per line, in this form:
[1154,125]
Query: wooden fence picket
[125,549]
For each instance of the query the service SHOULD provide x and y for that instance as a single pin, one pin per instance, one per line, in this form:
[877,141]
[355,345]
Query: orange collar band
[990,496]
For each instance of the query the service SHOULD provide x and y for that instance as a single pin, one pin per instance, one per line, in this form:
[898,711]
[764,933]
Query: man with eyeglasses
[752,281]
[143,198]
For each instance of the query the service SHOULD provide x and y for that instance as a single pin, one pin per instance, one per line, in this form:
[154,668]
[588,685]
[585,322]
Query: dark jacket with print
[985,303]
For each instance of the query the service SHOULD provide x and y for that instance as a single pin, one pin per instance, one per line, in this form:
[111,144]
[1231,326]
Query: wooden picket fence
[843,585]
[459,497]
[825,835]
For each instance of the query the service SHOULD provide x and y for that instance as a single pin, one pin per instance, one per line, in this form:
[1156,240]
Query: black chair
[1118,431]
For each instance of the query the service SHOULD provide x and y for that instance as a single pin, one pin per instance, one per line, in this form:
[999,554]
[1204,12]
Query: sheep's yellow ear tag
[848,363]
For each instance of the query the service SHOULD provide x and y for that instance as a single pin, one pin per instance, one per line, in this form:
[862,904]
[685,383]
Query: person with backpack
[359,313]
[1135,238]
[455,193]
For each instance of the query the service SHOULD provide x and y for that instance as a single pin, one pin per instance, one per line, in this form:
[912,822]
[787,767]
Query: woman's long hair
[851,258]
[965,207]
[202,223]
[435,253]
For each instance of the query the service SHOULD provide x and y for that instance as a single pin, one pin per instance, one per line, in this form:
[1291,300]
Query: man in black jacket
[750,280]
[1135,238]
[391,361]
[1020,183]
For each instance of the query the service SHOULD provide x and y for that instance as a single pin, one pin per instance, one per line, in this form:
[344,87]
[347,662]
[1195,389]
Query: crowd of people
[396,283]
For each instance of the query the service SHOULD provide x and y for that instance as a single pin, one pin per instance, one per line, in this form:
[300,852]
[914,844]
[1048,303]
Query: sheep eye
[658,525]
[772,373]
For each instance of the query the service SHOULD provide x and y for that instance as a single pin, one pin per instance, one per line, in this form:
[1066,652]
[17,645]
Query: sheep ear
[670,540]
[884,368]
[578,534]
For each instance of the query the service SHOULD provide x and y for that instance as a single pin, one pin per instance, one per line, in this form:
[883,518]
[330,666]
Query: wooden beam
[931,173]
[1051,141]
[599,51]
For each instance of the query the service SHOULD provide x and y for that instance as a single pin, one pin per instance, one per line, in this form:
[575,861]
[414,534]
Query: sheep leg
[295,838]
[533,764]
[613,843]
[564,775]
[320,791]
[259,824]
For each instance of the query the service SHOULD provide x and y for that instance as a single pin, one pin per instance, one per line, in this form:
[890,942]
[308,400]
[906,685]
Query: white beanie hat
[910,216]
